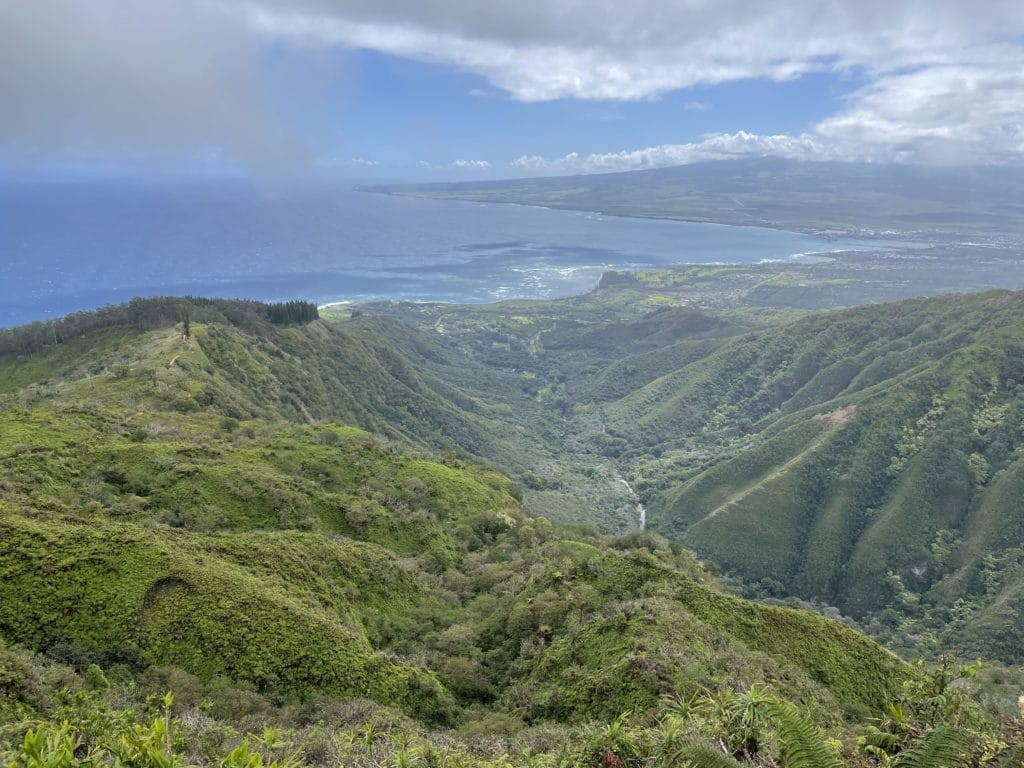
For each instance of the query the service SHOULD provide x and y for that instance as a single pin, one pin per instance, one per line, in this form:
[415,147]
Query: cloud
[232,82]
[548,49]
[457,165]
[472,165]
[715,147]
[944,75]
[353,162]
[696,106]
[147,83]
[970,112]
[964,113]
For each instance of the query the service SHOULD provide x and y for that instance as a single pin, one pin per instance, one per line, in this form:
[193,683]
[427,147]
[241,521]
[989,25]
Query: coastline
[824,234]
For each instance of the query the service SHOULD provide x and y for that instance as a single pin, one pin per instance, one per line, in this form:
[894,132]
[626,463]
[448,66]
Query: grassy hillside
[176,512]
[184,512]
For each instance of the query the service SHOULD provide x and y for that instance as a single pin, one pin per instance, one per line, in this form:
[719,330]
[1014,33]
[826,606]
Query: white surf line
[640,508]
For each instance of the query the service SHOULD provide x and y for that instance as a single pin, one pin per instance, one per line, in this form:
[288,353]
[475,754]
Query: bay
[71,246]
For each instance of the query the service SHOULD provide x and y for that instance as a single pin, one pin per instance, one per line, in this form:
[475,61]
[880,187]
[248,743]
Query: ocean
[71,246]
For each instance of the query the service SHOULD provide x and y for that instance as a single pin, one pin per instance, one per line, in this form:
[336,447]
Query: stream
[641,510]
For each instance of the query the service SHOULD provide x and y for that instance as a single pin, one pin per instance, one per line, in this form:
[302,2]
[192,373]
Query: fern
[874,738]
[800,742]
[945,747]
[698,755]
[1012,757]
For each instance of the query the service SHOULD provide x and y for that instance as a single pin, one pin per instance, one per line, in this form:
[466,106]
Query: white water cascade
[641,510]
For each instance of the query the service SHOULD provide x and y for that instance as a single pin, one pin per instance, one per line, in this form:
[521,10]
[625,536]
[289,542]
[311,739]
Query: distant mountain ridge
[856,198]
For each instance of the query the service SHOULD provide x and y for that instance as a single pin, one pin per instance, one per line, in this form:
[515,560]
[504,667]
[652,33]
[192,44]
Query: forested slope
[162,504]
[186,511]
[866,458]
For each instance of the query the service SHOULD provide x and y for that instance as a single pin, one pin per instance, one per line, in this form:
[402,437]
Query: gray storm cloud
[151,82]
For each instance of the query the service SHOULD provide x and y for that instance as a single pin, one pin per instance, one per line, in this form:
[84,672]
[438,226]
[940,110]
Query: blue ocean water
[71,246]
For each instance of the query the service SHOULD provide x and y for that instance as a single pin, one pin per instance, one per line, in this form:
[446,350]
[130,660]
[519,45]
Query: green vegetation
[186,513]
[143,314]
[876,482]
[92,720]
[864,460]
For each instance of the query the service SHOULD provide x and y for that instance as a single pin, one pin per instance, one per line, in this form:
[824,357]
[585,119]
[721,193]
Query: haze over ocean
[71,246]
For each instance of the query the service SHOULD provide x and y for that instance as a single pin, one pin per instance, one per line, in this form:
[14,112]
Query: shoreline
[827,235]
[801,259]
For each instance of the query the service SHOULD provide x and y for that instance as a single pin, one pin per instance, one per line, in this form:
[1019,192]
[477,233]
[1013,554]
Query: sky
[469,90]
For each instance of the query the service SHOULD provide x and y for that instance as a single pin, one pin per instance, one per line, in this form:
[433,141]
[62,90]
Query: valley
[789,451]
[219,526]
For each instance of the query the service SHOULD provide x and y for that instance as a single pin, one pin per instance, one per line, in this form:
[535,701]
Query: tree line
[156,312]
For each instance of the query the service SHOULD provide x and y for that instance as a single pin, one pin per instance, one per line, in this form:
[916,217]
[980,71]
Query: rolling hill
[188,511]
[183,505]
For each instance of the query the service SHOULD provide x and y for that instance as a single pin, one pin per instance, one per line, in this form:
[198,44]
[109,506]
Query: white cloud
[457,165]
[357,161]
[955,113]
[944,75]
[696,106]
[714,147]
[472,165]
[547,49]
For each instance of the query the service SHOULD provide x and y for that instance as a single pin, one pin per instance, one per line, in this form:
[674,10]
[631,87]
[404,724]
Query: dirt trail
[835,419]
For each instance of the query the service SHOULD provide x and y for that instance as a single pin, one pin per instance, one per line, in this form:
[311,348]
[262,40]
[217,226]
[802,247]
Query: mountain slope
[770,191]
[158,508]
[878,469]
[865,459]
